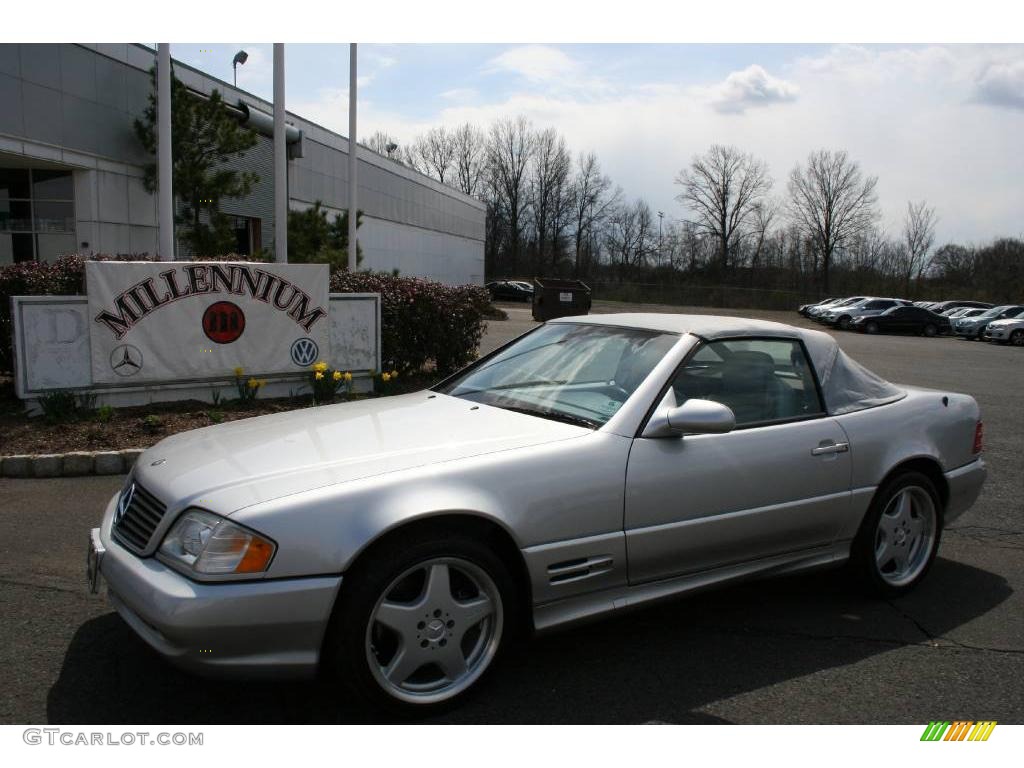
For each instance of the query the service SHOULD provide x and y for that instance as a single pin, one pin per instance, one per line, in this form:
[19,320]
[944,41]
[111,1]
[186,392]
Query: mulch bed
[137,427]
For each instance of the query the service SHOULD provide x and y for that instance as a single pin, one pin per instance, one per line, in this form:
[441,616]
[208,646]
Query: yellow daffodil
[239,371]
[385,376]
[263,382]
[320,367]
[253,384]
[394,374]
[348,376]
[337,376]
[319,375]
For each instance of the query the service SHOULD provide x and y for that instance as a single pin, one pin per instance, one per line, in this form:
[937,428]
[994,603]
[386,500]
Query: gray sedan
[590,466]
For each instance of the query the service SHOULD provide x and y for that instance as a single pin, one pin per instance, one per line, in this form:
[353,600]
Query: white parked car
[1009,330]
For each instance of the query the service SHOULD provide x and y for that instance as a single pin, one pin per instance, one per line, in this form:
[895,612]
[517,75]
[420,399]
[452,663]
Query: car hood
[230,466]
[1007,323]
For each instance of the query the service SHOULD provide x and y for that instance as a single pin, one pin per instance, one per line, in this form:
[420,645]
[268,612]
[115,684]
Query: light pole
[240,58]
[353,210]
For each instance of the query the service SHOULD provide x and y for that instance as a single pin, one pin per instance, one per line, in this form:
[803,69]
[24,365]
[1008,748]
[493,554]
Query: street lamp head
[240,58]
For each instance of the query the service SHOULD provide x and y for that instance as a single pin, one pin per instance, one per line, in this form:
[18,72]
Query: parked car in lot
[867,308]
[815,313]
[903,319]
[510,290]
[942,306]
[593,464]
[1008,330]
[804,309]
[974,327]
[957,312]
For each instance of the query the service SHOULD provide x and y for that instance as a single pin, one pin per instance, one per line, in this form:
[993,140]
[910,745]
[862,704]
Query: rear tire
[420,622]
[899,536]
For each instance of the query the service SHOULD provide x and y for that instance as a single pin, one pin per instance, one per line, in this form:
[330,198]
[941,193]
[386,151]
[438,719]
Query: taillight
[979,438]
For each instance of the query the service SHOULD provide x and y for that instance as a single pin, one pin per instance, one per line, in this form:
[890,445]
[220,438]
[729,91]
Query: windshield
[994,311]
[572,372]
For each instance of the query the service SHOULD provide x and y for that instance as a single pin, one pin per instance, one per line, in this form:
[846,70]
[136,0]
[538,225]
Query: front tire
[844,322]
[1017,338]
[899,536]
[871,327]
[419,623]
[930,330]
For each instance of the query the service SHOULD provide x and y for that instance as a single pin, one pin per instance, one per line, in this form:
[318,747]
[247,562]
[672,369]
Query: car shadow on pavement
[659,664]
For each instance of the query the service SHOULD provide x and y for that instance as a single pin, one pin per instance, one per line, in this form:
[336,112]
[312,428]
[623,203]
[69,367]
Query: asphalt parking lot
[806,649]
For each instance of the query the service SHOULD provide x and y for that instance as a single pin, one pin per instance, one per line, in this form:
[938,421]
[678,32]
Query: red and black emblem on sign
[223,322]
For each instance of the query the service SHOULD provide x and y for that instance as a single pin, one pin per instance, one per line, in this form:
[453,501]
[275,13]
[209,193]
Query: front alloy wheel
[434,630]
[420,619]
[1017,338]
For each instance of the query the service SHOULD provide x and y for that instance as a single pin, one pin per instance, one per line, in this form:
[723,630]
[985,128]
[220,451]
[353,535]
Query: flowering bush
[249,388]
[384,381]
[423,320]
[327,383]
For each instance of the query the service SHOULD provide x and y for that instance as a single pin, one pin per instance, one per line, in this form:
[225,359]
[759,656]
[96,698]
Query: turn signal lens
[979,437]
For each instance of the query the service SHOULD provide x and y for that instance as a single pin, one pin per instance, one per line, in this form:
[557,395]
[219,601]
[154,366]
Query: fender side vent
[579,568]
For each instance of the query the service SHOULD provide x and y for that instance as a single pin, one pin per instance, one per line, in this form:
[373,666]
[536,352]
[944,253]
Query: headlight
[210,544]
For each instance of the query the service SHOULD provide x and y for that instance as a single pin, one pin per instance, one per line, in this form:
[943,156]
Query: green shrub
[104,413]
[422,320]
[59,405]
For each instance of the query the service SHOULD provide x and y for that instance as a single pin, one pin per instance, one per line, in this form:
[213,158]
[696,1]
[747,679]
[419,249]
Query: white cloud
[460,94]
[536,63]
[1002,84]
[750,87]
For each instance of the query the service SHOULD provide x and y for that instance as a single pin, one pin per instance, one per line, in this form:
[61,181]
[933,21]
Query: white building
[71,170]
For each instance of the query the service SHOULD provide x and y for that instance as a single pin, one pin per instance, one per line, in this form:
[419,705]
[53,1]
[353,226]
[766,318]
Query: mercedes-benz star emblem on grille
[304,351]
[126,360]
[123,503]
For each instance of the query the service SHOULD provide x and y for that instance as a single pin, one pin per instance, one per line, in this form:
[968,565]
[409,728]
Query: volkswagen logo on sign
[123,503]
[126,360]
[304,352]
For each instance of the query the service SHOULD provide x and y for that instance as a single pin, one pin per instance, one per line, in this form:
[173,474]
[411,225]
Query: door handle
[823,450]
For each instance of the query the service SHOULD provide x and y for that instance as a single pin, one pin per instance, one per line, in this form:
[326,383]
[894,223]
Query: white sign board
[174,321]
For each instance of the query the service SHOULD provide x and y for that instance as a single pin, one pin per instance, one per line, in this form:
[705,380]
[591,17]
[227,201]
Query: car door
[904,319]
[778,483]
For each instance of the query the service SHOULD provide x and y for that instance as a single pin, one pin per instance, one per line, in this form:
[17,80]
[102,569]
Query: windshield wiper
[565,418]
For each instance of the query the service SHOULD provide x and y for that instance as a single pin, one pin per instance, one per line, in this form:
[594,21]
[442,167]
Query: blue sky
[936,122]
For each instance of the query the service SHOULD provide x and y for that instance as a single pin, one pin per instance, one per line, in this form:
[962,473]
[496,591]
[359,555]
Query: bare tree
[549,173]
[592,198]
[832,202]
[918,236]
[435,153]
[762,217]
[383,143]
[721,188]
[470,158]
[509,149]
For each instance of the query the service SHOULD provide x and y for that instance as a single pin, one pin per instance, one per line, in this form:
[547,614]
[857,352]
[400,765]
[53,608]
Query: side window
[761,380]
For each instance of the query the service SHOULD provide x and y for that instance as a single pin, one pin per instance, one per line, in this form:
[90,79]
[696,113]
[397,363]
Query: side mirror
[693,416]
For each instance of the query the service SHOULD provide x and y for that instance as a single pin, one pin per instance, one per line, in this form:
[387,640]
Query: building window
[248,239]
[37,214]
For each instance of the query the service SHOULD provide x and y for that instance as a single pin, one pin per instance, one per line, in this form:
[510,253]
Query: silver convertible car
[592,465]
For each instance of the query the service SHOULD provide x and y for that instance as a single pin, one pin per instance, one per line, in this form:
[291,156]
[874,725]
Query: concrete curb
[74,464]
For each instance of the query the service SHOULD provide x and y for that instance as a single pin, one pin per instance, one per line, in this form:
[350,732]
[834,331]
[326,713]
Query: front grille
[140,520]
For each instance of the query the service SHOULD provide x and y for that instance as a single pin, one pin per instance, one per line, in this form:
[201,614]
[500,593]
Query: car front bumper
[965,485]
[997,334]
[265,628]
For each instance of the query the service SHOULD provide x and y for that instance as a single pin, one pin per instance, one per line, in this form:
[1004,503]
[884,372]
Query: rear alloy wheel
[1017,338]
[419,626]
[930,330]
[871,327]
[899,537]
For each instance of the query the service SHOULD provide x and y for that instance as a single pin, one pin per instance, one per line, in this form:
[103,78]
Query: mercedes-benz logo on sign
[126,360]
[123,503]
[304,352]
